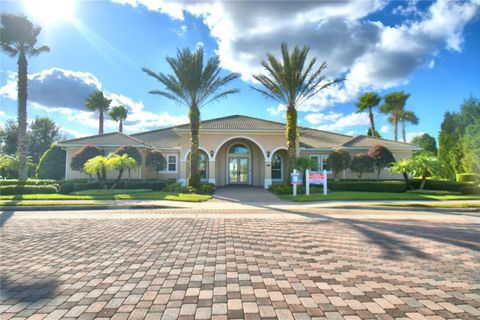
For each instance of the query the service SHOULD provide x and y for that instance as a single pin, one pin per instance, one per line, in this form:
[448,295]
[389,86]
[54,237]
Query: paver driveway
[176,266]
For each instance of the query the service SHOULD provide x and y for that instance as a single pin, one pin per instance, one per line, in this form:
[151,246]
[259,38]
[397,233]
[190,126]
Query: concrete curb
[81,208]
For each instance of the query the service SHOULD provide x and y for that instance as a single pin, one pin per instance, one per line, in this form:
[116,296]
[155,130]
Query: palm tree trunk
[404,136]
[194,177]
[22,116]
[291,137]
[372,123]
[395,127]
[120,126]
[100,121]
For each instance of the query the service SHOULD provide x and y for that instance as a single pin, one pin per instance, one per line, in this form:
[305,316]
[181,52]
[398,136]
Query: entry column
[268,174]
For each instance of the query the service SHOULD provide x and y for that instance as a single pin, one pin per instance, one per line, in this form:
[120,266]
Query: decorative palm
[119,113]
[98,166]
[292,81]
[393,104]
[121,163]
[98,102]
[368,101]
[403,167]
[194,85]
[18,37]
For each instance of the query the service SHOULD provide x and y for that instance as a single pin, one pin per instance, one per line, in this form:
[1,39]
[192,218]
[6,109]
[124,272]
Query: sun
[50,12]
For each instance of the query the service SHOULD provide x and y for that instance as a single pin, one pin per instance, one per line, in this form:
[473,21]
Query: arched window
[277,167]
[238,149]
[203,166]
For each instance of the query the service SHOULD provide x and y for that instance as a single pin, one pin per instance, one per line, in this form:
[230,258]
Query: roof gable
[107,139]
[237,122]
[363,141]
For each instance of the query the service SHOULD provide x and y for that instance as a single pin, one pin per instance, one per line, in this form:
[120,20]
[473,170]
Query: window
[238,149]
[318,160]
[324,165]
[277,167]
[172,163]
[321,160]
[203,166]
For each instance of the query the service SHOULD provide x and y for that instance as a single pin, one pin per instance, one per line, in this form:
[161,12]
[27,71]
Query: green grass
[145,195]
[433,205]
[48,203]
[109,192]
[350,195]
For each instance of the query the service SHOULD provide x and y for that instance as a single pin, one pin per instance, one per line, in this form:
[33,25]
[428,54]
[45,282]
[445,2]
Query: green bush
[175,187]
[468,177]
[67,188]
[52,164]
[81,185]
[206,188]
[288,189]
[471,190]
[368,186]
[441,185]
[27,189]
[29,182]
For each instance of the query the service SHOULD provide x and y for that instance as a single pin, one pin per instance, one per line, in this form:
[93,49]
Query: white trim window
[203,166]
[172,163]
[277,168]
[321,160]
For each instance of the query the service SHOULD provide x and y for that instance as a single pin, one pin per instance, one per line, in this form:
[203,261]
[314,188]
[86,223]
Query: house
[233,150]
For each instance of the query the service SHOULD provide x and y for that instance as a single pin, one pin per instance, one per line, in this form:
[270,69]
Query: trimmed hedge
[29,182]
[27,189]
[441,185]
[471,190]
[468,177]
[368,186]
[69,187]
[52,164]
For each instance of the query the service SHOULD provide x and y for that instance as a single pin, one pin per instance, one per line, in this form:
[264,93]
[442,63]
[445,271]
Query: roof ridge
[381,139]
[95,135]
[329,132]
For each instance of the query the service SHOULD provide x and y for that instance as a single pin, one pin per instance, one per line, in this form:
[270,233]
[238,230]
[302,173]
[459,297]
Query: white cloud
[370,54]
[334,121]
[64,92]
[384,129]
[199,44]
[280,109]
[2,114]
[69,133]
[181,32]
[411,135]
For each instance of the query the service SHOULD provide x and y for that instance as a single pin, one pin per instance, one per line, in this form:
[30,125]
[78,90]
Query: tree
[381,158]
[98,102]
[291,81]
[405,116]
[43,133]
[424,166]
[121,163]
[52,164]
[18,38]
[132,152]
[368,101]
[403,167]
[83,155]
[119,113]
[338,160]
[471,148]
[360,164]
[304,163]
[375,135]
[194,85]
[393,104]
[449,148]
[9,164]
[8,137]
[426,142]
[98,166]
[155,161]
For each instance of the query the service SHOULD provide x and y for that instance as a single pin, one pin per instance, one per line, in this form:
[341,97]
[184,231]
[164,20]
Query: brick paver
[309,267]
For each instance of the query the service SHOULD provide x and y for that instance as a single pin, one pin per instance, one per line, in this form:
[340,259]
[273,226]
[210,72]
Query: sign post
[295,179]
[316,178]
[307,182]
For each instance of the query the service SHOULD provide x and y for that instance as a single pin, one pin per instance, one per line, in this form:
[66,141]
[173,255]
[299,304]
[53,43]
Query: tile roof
[238,122]
[161,138]
[312,138]
[107,139]
[366,142]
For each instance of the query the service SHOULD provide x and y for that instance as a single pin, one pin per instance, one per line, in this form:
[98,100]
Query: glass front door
[238,171]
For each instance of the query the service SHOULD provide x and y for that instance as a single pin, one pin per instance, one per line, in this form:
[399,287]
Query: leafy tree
[375,135]
[155,161]
[43,133]
[426,142]
[52,164]
[119,113]
[98,102]
[381,158]
[449,150]
[338,160]
[360,164]
[471,148]
[193,84]
[83,155]
[18,38]
[8,137]
[393,104]
[368,101]
[403,167]
[424,166]
[304,163]
[291,81]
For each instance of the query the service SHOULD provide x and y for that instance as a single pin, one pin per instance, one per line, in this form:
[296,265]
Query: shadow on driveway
[28,292]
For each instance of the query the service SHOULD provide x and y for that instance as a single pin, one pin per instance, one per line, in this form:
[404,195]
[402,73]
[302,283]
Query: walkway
[246,195]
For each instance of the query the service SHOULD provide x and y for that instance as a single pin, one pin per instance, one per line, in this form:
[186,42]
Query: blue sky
[428,49]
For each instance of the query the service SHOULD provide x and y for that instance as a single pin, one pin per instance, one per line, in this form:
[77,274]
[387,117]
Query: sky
[429,49]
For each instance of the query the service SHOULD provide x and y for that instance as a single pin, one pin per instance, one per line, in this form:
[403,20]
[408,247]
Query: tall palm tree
[292,81]
[393,105]
[193,84]
[403,117]
[119,113]
[98,102]
[18,38]
[368,101]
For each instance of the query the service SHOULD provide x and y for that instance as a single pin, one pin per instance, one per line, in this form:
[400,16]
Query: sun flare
[50,12]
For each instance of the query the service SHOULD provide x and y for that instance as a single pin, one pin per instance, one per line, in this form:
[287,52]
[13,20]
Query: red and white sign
[317,178]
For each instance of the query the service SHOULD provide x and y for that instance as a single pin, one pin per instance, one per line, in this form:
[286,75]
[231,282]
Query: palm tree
[119,113]
[393,104]
[292,81]
[403,167]
[405,116]
[98,102]
[121,163]
[18,37]
[368,101]
[194,85]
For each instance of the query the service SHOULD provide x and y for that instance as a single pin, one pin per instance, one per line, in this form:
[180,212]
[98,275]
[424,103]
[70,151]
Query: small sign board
[317,177]
[295,178]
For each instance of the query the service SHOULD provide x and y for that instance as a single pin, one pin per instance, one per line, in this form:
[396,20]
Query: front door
[238,171]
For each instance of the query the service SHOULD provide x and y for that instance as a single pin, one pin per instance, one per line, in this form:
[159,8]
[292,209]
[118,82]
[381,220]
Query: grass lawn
[351,195]
[108,192]
[117,195]
[35,203]
[433,205]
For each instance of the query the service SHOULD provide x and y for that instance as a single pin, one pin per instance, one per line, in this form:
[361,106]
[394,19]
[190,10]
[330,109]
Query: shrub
[471,190]
[52,164]
[468,177]
[67,188]
[442,185]
[155,161]
[360,164]
[83,155]
[29,182]
[132,152]
[338,160]
[27,189]
[206,188]
[368,186]
[175,187]
[288,189]
[381,158]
